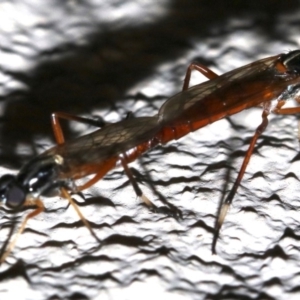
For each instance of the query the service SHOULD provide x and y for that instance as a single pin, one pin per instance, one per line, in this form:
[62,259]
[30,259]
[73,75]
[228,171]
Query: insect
[254,85]
[57,169]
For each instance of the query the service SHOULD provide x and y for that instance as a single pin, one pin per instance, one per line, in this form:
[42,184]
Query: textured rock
[110,57]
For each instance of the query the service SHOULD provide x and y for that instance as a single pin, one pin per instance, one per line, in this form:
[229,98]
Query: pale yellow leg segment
[40,208]
[66,195]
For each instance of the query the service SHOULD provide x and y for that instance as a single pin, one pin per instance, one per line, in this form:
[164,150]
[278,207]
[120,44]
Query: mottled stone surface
[108,58]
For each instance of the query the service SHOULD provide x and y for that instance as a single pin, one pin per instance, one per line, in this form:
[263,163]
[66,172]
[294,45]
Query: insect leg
[57,130]
[229,198]
[66,195]
[134,184]
[200,68]
[104,169]
[38,210]
[285,111]
[108,166]
[59,136]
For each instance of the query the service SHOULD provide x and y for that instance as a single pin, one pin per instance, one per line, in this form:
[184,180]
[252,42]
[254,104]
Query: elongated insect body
[273,78]
[58,169]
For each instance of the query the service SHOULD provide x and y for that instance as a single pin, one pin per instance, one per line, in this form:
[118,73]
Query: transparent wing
[107,142]
[177,104]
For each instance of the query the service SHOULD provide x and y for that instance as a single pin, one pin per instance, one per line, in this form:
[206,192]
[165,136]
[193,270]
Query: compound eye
[15,196]
[11,193]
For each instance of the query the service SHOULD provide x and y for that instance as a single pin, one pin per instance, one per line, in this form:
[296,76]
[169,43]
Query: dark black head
[291,61]
[38,177]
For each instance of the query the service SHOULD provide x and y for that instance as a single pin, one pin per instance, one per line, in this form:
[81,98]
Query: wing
[233,88]
[107,142]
